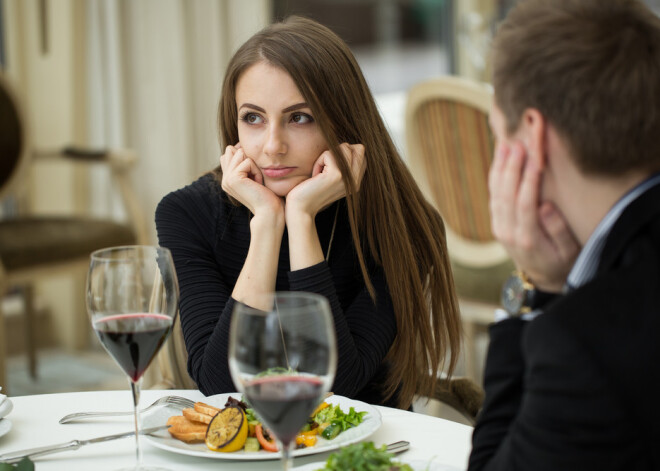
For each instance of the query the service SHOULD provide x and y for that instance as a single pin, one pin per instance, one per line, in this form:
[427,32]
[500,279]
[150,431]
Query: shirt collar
[586,264]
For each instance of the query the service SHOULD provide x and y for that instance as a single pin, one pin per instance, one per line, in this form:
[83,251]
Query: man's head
[592,70]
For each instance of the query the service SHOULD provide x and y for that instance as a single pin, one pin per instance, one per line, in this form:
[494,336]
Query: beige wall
[52,86]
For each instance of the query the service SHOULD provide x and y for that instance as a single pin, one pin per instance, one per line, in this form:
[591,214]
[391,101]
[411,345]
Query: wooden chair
[34,246]
[449,151]
[458,399]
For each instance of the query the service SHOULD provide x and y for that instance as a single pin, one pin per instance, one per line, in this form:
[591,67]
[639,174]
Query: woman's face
[276,128]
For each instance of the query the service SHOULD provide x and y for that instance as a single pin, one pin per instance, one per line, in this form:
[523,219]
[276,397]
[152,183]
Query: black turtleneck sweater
[209,239]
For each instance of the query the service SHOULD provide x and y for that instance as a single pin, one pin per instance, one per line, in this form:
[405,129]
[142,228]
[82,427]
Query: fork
[177,401]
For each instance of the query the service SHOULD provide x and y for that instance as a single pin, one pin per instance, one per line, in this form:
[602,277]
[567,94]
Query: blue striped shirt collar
[586,264]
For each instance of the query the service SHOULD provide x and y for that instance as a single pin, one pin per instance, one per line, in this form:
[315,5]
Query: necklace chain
[332,234]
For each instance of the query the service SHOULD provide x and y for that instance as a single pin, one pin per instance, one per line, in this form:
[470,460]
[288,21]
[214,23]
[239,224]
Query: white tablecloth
[35,423]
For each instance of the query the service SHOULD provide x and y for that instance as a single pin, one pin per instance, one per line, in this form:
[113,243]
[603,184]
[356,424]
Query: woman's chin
[283,187]
[280,190]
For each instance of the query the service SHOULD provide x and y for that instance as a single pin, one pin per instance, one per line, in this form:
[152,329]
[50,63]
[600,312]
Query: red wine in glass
[132,299]
[284,402]
[283,358]
[133,339]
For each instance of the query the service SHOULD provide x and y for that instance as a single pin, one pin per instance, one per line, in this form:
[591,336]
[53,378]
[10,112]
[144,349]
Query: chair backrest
[449,151]
[13,151]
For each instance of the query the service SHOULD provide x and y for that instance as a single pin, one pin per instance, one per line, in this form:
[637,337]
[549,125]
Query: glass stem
[287,459]
[135,389]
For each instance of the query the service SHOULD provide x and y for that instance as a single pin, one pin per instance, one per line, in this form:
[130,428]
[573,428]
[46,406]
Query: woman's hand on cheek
[242,180]
[326,185]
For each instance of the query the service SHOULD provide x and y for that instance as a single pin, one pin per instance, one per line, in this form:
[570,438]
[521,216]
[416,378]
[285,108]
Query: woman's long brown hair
[403,232]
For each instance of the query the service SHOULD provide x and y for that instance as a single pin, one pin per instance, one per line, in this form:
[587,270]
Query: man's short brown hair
[592,68]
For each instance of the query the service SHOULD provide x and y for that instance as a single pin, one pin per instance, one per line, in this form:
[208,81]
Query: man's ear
[533,131]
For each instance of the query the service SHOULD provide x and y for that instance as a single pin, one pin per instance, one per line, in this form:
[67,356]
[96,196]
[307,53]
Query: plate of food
[335,410]
[365,456]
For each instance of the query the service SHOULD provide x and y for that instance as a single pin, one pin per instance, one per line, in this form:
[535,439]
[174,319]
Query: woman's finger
[358,164]
[226,156]
[246,168]
[321,163]
[237,158]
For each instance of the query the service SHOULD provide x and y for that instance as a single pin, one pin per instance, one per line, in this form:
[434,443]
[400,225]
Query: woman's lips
[277,172]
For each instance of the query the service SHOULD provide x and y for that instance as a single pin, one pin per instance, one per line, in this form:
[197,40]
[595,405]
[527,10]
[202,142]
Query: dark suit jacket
[578,388]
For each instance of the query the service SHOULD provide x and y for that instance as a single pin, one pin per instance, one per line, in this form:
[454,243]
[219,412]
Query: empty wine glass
[132,298]
[282,358]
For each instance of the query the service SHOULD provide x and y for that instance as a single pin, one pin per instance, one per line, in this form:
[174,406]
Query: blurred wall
[475,22]
[142,74]
[44,62]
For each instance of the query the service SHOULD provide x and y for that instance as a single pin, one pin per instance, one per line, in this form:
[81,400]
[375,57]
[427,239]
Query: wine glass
[132,298]
[283,358]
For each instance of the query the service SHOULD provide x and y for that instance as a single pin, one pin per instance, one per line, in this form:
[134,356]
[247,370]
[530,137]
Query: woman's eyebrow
[297,106]
[254,107]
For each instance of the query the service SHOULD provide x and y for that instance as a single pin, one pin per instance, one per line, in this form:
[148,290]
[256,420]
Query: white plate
[417,465]
[6,407]
[372,421]
[5,426]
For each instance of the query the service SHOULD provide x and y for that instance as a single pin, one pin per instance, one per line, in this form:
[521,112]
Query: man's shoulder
[617,311]
[636,229]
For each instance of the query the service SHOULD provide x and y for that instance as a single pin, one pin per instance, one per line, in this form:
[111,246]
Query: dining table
[35,422]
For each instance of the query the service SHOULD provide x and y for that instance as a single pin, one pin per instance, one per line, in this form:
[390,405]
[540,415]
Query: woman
[311,195]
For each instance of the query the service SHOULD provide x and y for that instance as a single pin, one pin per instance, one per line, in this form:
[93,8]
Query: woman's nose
[275,140]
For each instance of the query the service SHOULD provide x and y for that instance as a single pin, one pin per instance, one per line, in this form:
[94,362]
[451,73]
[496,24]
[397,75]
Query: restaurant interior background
[145,75]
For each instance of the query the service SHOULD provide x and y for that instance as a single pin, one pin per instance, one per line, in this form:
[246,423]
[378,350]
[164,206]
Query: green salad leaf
[363,457]
[251,416]
[24,465]
[335,416]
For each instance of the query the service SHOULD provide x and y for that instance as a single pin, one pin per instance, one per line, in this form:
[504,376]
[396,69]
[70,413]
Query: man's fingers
[512,173]
[527,203]
[505,192]
[558,231]
[497,167]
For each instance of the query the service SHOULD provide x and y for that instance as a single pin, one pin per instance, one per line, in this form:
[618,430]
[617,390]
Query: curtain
[154,71]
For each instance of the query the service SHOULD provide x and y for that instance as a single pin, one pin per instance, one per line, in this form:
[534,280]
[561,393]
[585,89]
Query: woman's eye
[301,118]
[252,118]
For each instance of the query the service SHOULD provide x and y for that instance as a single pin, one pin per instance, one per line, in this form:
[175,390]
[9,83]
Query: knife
[398,447]
[16,456]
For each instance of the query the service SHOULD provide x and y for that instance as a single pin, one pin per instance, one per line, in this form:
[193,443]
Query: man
[572,376]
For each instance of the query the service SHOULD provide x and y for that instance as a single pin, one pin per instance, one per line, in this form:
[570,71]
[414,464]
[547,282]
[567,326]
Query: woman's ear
[532,132]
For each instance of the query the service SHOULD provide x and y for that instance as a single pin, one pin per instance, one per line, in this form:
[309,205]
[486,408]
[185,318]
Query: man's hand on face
[535,233]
